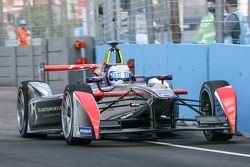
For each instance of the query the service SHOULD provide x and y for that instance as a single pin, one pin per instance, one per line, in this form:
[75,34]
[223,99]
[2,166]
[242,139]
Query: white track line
[199,149]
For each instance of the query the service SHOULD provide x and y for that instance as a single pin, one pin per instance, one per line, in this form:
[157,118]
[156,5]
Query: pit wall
[191,66]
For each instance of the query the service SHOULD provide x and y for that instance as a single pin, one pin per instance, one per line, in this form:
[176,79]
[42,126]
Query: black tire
[23,105]
[176,112]
[176,107]
[207,100]
[69,139]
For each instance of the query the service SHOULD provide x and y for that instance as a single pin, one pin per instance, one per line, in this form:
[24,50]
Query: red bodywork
[89,104]
[76,67]
[71,67]
[101,95]
[227,97]
[180,91]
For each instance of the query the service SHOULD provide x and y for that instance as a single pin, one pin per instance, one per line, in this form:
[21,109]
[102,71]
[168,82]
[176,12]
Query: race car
[115,102]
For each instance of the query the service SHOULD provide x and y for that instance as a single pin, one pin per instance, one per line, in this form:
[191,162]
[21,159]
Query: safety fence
[18,64]
[158,21]
[127,21]
[44,19]
[192,65]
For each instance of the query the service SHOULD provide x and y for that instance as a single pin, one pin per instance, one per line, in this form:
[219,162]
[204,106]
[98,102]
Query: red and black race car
[115,102]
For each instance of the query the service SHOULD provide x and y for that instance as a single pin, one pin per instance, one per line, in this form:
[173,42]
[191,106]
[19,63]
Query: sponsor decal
[49,109]
[86,131]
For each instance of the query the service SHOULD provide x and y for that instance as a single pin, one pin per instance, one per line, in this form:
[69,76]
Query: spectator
[207,33]
[236,28]
[22,34]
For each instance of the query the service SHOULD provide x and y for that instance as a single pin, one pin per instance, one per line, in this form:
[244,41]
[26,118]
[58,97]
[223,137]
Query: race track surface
[178,149]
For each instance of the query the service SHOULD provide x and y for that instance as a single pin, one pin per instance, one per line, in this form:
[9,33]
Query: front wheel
[22,110]
[208,103]
[68,114]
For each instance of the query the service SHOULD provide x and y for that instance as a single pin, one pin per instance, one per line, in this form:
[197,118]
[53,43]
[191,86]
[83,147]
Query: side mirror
[165,77]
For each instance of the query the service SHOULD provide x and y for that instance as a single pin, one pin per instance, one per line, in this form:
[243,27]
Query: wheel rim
[67,115]
[20,110]
[206,103]
[206,108]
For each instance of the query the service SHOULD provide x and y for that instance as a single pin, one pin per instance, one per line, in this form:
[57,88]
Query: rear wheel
[68,114]
[22,110]
[168,114]
[208,103]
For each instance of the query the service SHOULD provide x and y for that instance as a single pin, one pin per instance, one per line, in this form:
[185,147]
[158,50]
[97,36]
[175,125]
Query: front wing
[87,123]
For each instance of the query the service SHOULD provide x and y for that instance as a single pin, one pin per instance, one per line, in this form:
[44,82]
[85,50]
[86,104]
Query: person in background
[207,31]
[22,34]
[236,28]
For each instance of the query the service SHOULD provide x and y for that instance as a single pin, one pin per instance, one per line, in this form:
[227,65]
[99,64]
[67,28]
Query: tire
[162,134]
[176,107]
[207,100]
[176,112]
[67,114]
[22,110]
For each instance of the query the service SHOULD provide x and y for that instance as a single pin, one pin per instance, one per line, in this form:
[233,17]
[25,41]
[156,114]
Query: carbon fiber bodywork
[134,101]
[116,102]
[44,109]
[126,110]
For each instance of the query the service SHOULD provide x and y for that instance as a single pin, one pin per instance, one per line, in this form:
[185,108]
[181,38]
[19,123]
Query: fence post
[149,21]
[219,20]
[30,21]
[50,19]
[64,17]
[132,24]
[175,21]
[248,14]
[117,17]
[167,14]
[1,24]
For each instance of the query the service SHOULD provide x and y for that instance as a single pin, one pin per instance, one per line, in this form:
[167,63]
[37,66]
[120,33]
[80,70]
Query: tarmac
[177,149]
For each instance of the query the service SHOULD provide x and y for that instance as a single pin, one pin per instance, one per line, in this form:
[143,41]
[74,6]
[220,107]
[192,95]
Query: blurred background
[128,21]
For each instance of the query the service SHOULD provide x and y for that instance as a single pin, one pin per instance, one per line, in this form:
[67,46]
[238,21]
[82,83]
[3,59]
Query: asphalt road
[178,149]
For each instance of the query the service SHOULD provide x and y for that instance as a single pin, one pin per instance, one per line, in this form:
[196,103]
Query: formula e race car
[116,103]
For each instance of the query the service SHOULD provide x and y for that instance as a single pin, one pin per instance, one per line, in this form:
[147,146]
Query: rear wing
[42,68]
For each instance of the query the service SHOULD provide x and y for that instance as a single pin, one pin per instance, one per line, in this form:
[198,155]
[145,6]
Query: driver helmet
[119,74]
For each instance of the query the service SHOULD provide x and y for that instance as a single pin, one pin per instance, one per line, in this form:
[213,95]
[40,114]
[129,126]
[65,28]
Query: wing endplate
[227,98]
[90,106]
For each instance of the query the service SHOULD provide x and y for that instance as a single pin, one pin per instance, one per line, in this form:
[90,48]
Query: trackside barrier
[21,63]
[231,63]
[191,65]
[18,64]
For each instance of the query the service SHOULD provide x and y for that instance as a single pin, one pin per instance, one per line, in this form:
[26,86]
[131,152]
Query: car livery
[114,102]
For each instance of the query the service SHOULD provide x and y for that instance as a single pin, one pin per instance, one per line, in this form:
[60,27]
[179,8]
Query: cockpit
[113,66]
